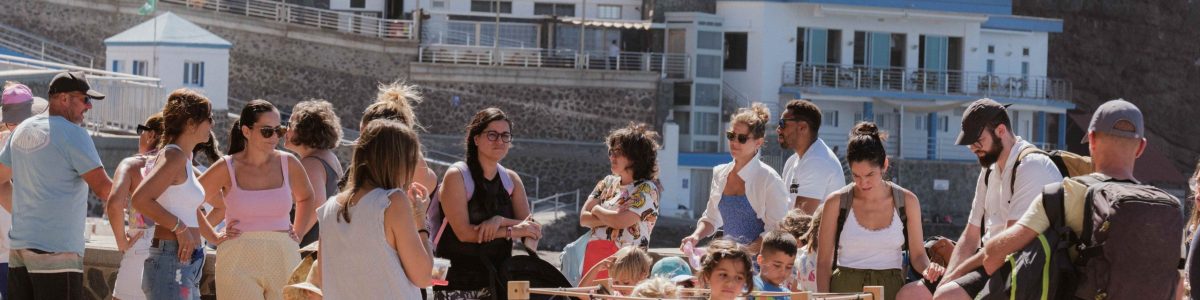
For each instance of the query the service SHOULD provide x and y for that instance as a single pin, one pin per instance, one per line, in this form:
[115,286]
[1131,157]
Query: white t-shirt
[996,197]
[815,175]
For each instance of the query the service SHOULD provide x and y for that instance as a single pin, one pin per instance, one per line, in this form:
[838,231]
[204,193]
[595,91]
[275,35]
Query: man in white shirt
[813,172]
[614,51]
[1003,192]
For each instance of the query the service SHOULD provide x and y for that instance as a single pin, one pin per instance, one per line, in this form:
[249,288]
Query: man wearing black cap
[52,163]
[1006,186]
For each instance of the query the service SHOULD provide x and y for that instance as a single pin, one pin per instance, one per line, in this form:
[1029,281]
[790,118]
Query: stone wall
[955,203]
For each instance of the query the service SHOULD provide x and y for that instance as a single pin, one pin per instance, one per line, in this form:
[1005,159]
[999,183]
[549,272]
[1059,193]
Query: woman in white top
[870,248]
[171,196]
[370,248]
[747,197]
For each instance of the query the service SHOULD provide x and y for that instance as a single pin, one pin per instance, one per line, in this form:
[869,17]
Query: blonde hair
[755,117]
[394,101]
[631,261]
[657,287]
[384,147]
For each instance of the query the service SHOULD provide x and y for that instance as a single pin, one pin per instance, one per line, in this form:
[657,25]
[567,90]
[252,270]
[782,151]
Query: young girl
[726,270]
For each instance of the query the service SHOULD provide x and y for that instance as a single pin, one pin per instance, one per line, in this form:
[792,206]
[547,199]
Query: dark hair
[755,117]
[315,125]
[1000,119]
[814,231]
[807,112]
[155,122]
[250,113]
[866,144]
[778,240]
[209,149]
[384,147]
[478,124]
[638,143]
[796,223]
[723,249]
[184,107]
[394,101]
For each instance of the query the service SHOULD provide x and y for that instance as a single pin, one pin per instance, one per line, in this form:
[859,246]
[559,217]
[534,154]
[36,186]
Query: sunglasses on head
[268,131]
[740,138]
[143,128]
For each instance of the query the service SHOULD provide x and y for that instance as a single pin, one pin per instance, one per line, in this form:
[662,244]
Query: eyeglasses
[493,136]
[741,138]
[268,131]
[615,152]
[783,122]
[143,128]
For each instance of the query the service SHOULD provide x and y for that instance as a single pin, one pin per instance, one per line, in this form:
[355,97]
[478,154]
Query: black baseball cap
[978,115]
[72,82]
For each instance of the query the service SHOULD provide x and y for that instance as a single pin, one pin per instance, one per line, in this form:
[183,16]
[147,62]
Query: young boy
[775,261]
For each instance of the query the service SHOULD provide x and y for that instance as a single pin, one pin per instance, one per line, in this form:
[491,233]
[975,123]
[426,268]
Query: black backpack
[844,210]
[531,268]
[1132,254]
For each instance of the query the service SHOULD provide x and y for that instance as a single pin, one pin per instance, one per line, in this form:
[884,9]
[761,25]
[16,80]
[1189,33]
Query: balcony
[925,82]
[667,65]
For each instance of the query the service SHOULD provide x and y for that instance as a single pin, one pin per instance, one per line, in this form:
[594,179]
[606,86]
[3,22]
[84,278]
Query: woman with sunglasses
[260,185]
[747,198]
[623,207]
[485,209]
[135,243]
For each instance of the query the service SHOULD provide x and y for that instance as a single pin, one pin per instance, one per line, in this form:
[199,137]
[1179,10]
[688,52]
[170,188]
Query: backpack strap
[505,179]
[843,211]
[898,198]
[1026,151]
[469,185]
[1052,203]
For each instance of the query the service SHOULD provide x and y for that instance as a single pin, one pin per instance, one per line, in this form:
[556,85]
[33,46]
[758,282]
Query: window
[919,121]
[735,51]
[1025,51]
[991,66]
[608,12]
[139,68]
[193,73]
[358,3]
[488,6]
[706,123]
[554,9]
[710,40]
[708,94]
[682,118]
[991,49]
[116,66]
[439,4]
[944,122]
[830,119]
[708,66]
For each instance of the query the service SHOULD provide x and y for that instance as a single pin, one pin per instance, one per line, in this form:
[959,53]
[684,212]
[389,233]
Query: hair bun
[867,129]
[761,111]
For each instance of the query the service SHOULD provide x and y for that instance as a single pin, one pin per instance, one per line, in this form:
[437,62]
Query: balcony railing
[130,97]
[668,65]
[983,84]
[41,48]
[308,16]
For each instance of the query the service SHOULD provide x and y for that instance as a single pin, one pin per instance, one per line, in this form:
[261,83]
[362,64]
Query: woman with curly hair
[315,132]
[623,207]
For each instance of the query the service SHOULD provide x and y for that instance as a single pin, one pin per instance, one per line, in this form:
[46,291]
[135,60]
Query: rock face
[1143,51]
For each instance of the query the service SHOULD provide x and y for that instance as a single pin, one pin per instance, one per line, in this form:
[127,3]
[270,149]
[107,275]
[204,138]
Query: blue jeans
[164,277]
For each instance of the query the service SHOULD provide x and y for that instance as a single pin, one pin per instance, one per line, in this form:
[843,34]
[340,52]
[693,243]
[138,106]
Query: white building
[180,53]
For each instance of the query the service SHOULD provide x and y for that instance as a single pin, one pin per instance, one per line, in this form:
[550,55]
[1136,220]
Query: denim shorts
[164,277]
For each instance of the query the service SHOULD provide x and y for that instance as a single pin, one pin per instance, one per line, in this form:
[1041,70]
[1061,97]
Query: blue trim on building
[174,44]
[920,96]
[1062,131]
[991,7]
[1041,120]
[703,159]
[1021,23]
[932,127]
[869,111]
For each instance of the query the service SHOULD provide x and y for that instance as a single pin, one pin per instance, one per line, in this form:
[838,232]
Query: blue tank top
[741,223]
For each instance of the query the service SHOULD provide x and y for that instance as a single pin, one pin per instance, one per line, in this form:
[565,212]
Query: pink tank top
[259,210]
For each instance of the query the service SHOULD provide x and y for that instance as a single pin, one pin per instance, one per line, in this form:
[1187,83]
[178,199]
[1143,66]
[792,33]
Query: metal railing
[41,48]
[483,34]
[734,94]
[925,81]
[130,98]
[668,65]
[554,203]
[347,22]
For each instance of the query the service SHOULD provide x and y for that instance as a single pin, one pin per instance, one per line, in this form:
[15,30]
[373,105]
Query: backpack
[1132,254]
[1068,165]
[1043,268]
[539,273]
[844,210]
[437,218]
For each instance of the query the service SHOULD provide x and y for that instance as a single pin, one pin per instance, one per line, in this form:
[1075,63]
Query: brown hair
[209,149]
[638,143]
[723,249]
[807,112]
[813,234]
[781,241]
[394,101]
[249,115]
[384,147]
[797,223]
[155,122]
[315,125]
[755,117]
[184,107]
[866,144]
[631,260]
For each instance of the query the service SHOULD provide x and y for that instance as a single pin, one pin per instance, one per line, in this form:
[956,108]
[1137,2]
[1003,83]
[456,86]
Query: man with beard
[813,171]
[1001,197]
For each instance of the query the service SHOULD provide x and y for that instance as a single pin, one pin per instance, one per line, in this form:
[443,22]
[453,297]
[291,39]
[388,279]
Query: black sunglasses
[783,122]
[268,131]
[741,138]
[143,128]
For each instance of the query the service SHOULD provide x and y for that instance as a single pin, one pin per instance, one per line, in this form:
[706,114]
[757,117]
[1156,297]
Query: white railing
[130,98]
[554,203]
[483,34]
[668,65]
[732,93]
[347,22]
[41,48]
[924,81]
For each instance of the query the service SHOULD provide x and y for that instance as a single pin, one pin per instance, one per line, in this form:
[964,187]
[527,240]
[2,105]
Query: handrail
[668,65]
[275,11]
[43,48]
[925,81]
[555,200]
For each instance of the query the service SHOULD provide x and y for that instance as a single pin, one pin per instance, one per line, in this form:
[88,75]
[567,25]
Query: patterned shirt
[640,198]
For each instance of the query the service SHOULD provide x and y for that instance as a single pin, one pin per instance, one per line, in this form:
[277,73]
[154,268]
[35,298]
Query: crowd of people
[381,225]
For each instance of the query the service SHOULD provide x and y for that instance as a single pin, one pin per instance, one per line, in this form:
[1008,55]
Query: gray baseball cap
[1117,117]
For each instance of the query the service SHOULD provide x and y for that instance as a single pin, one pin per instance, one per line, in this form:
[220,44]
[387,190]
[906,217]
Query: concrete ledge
[486,74]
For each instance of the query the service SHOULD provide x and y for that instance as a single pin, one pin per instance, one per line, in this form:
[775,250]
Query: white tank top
[871,250]
[183,199]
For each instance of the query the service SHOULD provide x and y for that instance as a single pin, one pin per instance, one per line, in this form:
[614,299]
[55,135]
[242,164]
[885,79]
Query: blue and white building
[178,52]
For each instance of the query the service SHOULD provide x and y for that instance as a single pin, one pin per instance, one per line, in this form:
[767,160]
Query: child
[796,223]
[657,287]
[776,261]
[628,266]
[806,262]
[726,270]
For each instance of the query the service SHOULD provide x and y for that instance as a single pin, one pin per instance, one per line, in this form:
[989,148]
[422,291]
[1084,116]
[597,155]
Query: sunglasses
[783,122]
[268,131]
[741,138]
[493,136]
[143,128]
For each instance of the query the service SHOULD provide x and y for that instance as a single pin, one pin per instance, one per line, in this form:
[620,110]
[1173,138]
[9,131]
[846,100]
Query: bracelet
[176,228]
